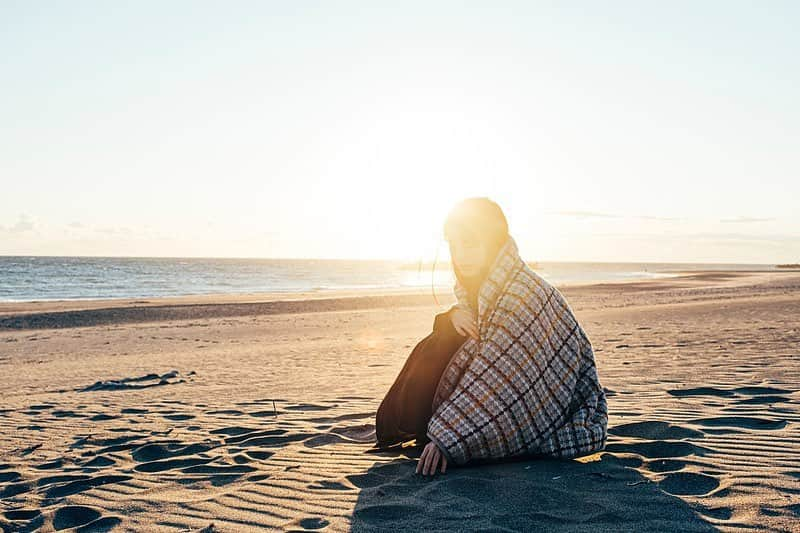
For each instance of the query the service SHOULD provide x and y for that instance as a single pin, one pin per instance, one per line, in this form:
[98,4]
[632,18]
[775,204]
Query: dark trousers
[405,411]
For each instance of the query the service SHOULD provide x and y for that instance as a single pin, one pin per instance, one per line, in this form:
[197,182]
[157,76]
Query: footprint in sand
[23,520]
[346,398]
[261,414]
[154,452]
[309,523]
[233,430]
[329,485]
[688,483]
[313,523]
[701,391]
[100,461]
[755,391]
[100,417]
[793,473]
[5,477]
[262,401]
[49,465]
[655,430]
[61,478]
[720,513]
[88,440]
[75,487]
[322,440]
[747,422]
[139,382]
[219,469]
[233,412]
[73,516]
[361,433]
[41,407]
[22,514]
[171,464]
[664,465]
[16,488]
[766,399]
[66,414]
[269,441]
[178,416]
[260,455]
[308,407]
[133,411]
[242,436]
[32,427]
[658,448]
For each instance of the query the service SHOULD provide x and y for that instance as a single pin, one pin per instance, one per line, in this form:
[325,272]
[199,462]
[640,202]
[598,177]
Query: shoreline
[317,293]
[56,314]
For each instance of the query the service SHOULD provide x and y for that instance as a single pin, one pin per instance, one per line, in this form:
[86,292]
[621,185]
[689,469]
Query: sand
[254,412]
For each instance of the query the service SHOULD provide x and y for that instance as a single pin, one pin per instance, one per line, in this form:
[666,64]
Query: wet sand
[252,412]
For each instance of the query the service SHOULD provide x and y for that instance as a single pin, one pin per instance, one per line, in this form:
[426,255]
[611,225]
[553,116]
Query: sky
[606,131]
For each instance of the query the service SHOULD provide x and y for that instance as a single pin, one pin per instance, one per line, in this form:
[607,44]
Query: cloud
[771,240]
[114,231]
[23,224]
[648,217]
[597,214]
[585,214]
[745,220]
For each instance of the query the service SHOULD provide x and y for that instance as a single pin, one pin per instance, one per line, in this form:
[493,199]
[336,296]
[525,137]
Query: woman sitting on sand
[507,371]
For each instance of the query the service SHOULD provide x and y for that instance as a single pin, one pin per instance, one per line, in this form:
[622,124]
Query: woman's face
[468,254]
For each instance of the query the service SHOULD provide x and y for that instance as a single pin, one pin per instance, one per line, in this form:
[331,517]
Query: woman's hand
[464,322]
[429,460]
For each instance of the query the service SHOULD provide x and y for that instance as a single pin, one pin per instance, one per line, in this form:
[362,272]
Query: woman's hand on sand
[464,323]
[429,460]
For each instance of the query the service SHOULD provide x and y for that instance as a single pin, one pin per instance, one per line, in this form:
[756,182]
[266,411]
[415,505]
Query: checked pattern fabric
[529,385]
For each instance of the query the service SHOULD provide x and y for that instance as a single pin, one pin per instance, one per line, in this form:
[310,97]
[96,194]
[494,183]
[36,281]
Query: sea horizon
[46,278]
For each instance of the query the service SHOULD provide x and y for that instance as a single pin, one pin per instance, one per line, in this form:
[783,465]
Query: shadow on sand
[531,494]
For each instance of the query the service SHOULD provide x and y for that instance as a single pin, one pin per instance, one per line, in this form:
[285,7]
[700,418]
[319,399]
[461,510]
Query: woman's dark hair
[482,219]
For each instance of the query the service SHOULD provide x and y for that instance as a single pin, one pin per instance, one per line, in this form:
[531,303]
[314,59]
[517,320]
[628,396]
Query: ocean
[38,278]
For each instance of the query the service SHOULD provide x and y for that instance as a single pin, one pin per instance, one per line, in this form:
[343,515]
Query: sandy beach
[249,412]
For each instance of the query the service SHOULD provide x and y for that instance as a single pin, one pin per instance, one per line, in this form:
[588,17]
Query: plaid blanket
[529,385]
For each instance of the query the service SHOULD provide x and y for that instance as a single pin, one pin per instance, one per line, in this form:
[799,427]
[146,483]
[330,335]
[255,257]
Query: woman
[515,375]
